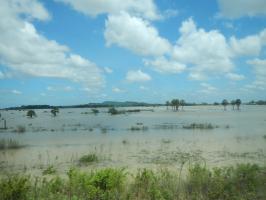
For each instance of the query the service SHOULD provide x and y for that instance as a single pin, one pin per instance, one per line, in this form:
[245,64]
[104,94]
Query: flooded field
[153,138]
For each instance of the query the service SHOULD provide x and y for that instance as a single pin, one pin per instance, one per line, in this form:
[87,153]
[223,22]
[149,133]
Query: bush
[31,113]
[95,111]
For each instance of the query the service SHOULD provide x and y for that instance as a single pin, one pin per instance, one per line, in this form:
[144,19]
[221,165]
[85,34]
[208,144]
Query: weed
[49,170]
[89,158]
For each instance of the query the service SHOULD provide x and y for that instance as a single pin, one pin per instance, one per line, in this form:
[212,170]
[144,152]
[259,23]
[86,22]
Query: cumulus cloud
[205,52]
[24,50]
[250,45]
[162,65]
[135,34]
[137,76]
[235,77]
[259,68]
[240,8]
[144,8]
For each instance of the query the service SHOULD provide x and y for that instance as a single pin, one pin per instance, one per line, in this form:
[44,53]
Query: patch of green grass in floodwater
[244,181]
[200,126]
[49,170]
[89,158]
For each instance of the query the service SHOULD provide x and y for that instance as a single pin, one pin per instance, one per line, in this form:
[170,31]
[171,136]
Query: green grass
[241,182]
[89,158]
[49,170]
[200,126]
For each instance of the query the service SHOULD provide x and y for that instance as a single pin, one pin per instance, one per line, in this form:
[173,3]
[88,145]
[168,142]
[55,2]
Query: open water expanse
[153,138]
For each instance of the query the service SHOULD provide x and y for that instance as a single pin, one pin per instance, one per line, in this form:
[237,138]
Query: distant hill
[89,105]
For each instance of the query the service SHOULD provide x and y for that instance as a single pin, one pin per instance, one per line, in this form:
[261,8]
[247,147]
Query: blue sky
[65,52]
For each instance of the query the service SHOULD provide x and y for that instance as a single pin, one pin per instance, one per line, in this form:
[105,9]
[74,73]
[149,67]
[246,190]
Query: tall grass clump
[89,158]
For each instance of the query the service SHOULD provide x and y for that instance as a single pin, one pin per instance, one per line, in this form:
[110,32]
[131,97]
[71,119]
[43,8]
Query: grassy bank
[243,181]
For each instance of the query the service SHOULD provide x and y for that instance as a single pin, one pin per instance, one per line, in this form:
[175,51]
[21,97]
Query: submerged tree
[167,103]
[54,111]
[233,103]
[238,102]
[182,103]
[175,104]
[225,103]
[31,113]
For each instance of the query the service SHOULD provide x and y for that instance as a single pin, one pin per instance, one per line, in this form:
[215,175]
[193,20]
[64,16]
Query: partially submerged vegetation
[10,144]
[89,158]
[200,126]
[244,181]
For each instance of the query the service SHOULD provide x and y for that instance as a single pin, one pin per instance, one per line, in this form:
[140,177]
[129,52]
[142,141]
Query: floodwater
[159,141]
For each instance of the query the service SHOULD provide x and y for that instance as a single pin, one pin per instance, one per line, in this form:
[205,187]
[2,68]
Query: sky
[66,52]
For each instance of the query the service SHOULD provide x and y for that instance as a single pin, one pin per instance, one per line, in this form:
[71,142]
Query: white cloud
[238,8]
[108,70]
[235,77]
[250,45]
[16,92]
[24,50]
[207,88]
[117,90]
[205,52]
[259,67]
[135,34]
[162,65]
[143,8]
[137,76]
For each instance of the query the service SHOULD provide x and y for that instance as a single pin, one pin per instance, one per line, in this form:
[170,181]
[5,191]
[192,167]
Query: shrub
[31,113]
[95,111]
[14,187]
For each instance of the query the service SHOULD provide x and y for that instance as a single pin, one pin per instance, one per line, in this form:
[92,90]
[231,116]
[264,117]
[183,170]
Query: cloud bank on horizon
[95,50]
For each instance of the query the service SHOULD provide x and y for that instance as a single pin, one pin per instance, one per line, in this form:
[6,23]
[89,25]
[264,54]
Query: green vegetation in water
[89,158]
[95,111]
[200,126]
[114,111]
[244,181]
[138,128]
[31,114]
[49,170]
[264,136]
[10,144]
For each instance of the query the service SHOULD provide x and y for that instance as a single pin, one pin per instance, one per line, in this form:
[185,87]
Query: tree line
[176,103]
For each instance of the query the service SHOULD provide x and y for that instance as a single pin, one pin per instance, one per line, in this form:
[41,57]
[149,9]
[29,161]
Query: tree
[167,104]
[31,113]
[182,103]
[224,103]
[54,111]
[175,104]
[233,103]
[238,102]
